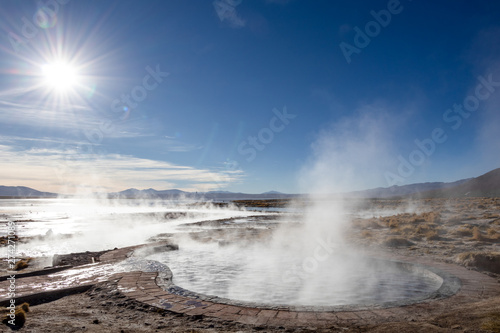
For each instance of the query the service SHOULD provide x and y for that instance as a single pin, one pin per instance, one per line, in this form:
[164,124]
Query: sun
[60,76]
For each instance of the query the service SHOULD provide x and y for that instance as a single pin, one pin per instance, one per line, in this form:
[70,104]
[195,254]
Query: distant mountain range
[487,185]
[24,192]
[211,195]
[405,190]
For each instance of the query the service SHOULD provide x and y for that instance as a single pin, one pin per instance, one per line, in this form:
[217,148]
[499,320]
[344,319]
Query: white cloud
[67,171]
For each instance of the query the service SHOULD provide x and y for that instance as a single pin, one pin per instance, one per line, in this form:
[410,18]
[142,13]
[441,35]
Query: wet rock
[76,259]
[174,215]
[224,243]
[172,247]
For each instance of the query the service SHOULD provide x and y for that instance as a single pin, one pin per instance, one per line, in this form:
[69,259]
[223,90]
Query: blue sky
[247,95]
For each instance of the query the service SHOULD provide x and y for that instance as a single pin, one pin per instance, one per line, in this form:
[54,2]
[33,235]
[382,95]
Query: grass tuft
[19,317]
[432,235]
[484,261]
[492,323]
[477,235]
[22,264]
[366,234]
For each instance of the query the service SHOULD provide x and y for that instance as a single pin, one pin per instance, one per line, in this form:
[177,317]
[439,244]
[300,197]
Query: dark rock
[397,242]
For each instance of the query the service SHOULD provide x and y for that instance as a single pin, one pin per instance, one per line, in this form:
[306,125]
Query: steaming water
[76,225]
[255,274]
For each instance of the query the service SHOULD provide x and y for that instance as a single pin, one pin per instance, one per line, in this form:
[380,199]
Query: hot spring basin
[250,277]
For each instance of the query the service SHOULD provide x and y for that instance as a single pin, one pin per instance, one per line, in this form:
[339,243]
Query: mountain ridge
[487,185]
[24,192]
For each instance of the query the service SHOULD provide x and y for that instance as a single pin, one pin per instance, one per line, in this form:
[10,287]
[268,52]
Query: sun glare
[60,76]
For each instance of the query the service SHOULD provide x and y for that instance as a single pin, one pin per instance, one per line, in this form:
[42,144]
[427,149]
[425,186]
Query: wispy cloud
[70,118]
[11,139]
[18,91]
[68,171]
[166,144]
[38,114]
[177,146]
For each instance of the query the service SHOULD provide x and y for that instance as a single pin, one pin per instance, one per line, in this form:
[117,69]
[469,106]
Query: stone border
[474,287]
[450,284]
[31,287]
